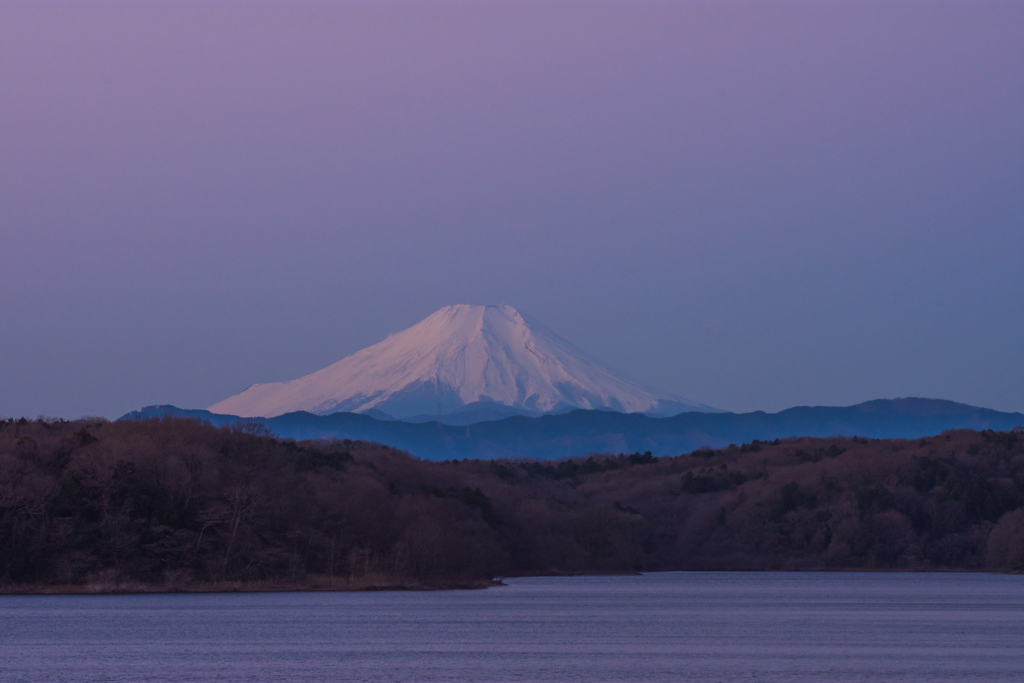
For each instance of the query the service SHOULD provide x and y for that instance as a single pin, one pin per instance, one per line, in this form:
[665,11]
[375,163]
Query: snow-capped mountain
[463,357]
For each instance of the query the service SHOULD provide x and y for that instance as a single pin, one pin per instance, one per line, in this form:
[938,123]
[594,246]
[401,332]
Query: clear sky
[753,204]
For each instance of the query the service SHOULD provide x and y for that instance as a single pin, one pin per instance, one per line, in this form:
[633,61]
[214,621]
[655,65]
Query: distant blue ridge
[598,431]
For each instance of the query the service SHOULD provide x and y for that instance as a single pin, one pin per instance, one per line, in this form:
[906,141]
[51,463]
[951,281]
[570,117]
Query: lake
[677,626]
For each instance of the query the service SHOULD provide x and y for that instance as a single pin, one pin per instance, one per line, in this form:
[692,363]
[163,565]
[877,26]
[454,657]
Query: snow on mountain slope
[460,355]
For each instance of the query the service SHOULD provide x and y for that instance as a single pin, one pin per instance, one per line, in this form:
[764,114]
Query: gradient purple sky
[751,204]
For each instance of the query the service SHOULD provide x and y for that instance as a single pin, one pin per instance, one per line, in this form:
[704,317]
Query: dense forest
[178,504]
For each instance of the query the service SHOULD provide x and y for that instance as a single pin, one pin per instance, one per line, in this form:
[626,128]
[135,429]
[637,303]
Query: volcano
[491,360]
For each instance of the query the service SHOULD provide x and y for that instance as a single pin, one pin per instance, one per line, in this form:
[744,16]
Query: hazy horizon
[753,205]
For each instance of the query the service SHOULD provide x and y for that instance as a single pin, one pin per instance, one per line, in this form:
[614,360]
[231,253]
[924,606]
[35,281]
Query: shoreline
[385,584]
[337,585]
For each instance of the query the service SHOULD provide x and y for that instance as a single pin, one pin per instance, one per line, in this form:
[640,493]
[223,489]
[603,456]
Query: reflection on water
[657,627]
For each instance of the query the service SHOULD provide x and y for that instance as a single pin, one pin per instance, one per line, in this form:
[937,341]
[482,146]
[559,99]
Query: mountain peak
[459,356]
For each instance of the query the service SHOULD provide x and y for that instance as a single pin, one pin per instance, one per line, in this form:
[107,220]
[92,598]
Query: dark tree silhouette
[174,503]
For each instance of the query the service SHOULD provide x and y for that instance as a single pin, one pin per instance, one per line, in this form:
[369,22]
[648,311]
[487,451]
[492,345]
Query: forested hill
[176,504]
[593,431]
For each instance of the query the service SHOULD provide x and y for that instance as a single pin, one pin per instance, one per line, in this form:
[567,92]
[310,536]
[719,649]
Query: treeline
[179,504]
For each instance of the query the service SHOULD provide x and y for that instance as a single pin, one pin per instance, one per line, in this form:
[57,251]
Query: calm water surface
[657,627]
